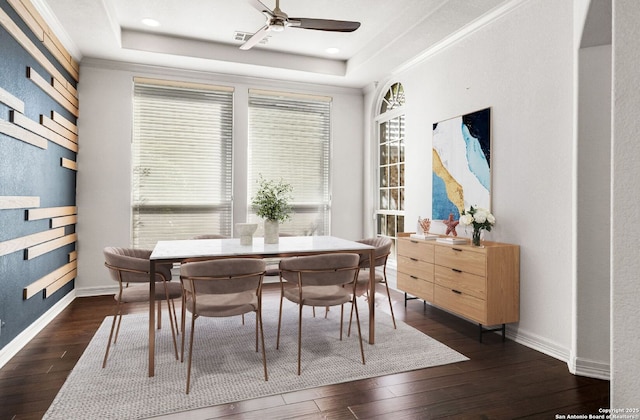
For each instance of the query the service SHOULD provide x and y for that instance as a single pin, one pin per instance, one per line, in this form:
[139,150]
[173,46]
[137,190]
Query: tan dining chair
[131,269]
[382,247]
[319,280]
[222,288]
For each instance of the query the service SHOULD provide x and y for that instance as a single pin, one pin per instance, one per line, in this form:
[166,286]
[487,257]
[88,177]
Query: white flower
[480,216]
[466,219]
[491,219]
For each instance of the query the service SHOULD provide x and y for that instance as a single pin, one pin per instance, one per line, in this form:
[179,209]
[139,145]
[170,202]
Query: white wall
[104,159]
[522,67]
[625,212]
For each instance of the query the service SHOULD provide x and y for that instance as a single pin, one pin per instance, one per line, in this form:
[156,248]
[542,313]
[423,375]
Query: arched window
[390,164]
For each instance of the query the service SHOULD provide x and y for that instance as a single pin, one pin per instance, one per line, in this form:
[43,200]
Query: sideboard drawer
[462,258]
[415,267]
[416,249]
[466,305]
[467,283]
[416,286]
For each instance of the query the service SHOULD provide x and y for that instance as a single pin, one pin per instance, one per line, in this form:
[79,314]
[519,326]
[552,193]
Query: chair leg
[355,304]
[393,318]
[193,325]
[113,324]
[182,325]
[279,322]
[299,335]
[159,315]
[341,319]
[264,353]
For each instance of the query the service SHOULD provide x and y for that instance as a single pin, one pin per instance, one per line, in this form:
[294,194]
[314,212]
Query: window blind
[182,161]
[289,139]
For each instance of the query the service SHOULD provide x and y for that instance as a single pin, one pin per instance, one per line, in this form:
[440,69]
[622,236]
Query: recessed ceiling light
[332,50]
[150,22]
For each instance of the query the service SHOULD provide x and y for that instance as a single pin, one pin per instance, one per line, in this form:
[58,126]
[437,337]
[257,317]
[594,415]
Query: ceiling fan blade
[324,24]
[255,38]
[259,6]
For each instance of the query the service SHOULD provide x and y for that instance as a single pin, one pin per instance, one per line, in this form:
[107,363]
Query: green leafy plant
[271,201]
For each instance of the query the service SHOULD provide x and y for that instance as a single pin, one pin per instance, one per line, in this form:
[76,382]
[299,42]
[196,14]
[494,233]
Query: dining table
[179,251]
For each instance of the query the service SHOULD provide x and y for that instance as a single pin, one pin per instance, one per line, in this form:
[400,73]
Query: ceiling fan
[277,21]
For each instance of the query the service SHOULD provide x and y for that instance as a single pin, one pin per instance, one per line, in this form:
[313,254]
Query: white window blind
[289,138]
[182,161]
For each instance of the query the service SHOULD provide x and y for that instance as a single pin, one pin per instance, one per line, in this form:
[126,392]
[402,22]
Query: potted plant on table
[271,202]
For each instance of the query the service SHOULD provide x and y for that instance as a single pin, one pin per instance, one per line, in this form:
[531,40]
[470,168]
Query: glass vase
[476,237]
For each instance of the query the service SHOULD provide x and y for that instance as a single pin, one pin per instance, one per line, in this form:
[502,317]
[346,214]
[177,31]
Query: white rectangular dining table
[288,246]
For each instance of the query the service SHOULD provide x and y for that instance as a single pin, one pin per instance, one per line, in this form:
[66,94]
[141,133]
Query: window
[391,160]
[289,138]
[182,158]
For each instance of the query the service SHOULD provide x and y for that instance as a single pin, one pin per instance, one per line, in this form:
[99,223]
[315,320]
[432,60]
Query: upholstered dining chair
[382,247]
[131,269]
[222,288]
[319,280]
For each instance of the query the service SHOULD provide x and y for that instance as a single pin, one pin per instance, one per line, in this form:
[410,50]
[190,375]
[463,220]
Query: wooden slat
[58,129]
[41,130]
[41,29]
[73,255]
[46,212]
[57,222]
[61,87]
[43,282]
[69,164]
[55,286]
[51,91]
[36,251]
[30,47]
[11,101]
[28,18]
[18,244]
[21,134]
[64,122]
[18,202]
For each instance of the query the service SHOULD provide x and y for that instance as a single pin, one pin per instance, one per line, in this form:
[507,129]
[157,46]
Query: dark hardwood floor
[503,380]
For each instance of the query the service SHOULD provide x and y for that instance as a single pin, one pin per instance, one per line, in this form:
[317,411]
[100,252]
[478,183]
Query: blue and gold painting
[461,164]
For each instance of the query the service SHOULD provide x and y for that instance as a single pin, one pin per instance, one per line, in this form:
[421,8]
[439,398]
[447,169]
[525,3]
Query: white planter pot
[271,231]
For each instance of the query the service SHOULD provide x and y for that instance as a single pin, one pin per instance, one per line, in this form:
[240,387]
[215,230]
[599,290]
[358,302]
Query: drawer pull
[457,249]
[457,292]
[414,242]
[414,277]
[413,259]
[456,270]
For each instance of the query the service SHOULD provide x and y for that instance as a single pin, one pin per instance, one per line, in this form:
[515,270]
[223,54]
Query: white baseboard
[96,291]
[590,368]
[32,330]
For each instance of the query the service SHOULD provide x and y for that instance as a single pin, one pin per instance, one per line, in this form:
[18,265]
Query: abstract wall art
[461,164]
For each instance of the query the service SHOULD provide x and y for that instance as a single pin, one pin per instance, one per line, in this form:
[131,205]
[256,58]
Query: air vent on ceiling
[244,36]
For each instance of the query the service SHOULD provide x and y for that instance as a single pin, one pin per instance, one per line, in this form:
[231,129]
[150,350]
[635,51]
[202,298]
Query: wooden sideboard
[481,284]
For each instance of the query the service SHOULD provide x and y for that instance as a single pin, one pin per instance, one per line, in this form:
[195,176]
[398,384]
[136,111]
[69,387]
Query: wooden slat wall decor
[51,91]
[55,74]
[18,202]
[55,286]
[39,27]
[41,130]
[64,122]
[11,101]
[69,164]
[58,129]
[18,244]
[43,213]
[37,250]
[21,134]
[57,222]
[45,281]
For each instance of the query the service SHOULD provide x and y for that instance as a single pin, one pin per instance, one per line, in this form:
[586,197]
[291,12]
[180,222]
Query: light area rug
[226,367]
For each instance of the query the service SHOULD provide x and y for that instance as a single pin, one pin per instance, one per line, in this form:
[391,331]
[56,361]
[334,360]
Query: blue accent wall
[27,170]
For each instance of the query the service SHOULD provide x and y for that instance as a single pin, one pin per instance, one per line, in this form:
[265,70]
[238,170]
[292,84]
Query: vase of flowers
[481,219]
[271,202]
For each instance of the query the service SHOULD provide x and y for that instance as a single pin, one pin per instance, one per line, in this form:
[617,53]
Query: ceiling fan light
[276,26]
